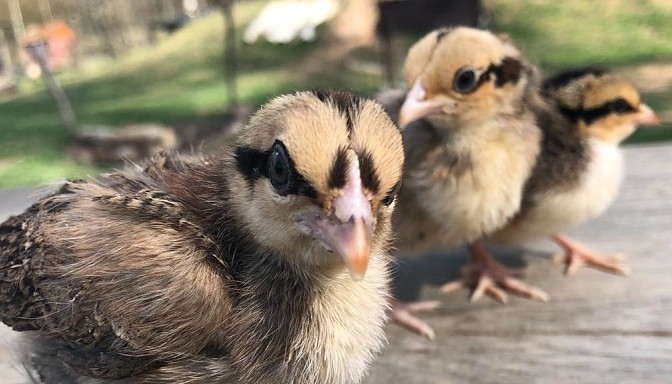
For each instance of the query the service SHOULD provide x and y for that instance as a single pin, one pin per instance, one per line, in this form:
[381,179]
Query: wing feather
[107,270]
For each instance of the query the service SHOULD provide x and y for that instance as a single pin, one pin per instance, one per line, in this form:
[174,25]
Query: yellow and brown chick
[470,144]
[265,263]
[584,114]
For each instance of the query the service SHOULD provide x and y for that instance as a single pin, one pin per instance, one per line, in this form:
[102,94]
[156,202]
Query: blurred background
[85,84]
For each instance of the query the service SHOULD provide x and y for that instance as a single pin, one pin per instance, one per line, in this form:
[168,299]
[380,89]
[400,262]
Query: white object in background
[282,21]
[190,7]
[10,357]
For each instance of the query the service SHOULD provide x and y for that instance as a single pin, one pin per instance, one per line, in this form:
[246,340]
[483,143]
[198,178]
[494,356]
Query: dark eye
[620,106]
[279,171]
[465,81]
[389,198]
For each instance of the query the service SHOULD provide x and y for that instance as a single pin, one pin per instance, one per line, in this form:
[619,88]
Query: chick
[584,114]
[246,267]
[468,156]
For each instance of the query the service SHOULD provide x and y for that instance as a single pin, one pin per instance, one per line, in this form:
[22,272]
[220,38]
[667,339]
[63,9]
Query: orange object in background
[59,39]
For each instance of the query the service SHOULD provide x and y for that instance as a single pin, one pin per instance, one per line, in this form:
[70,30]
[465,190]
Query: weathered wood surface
[598,328]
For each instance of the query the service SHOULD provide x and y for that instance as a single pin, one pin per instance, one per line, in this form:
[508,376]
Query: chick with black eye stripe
[470,143]
[585,114]
[265,263]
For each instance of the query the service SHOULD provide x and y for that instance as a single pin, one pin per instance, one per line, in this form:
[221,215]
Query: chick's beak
[646,116]
[347,231]
[351,240]
[416,106]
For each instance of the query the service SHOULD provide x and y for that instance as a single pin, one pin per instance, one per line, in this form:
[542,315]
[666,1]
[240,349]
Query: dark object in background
[167,25]
[171,25]
[418,17]
[104,145]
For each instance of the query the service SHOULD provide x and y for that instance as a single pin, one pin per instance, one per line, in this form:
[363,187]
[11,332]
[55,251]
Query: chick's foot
[577,256]
[485,276]
[402,313]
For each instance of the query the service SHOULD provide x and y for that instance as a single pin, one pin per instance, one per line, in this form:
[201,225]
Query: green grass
[181,78]
[565,33]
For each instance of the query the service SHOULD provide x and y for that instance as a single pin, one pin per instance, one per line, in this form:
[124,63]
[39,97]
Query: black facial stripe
[389,198]
[564,78]
[442,33]
[346,103]
[249,163]
[368,172]
[338,172]
[509,71]
[253,164]
[573,115]
[592,114]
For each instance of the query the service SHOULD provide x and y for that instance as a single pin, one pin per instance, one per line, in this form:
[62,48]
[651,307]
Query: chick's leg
[576,256]
[402,313]
[484,275]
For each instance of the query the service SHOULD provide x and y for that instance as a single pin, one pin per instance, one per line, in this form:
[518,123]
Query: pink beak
[348,230]
[351,240]
[646,116]
[416,107]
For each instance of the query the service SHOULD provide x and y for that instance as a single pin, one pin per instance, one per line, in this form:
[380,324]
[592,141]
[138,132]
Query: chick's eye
[620,106]
[279,171]
[465,81]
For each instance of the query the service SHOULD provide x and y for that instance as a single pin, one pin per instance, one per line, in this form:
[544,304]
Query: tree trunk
[230,60]
[17,21]
[64,107]
[5,57]
[45,11]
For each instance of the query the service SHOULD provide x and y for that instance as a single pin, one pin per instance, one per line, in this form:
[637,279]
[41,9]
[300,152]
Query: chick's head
[318,173]
[462,77]
[604,104]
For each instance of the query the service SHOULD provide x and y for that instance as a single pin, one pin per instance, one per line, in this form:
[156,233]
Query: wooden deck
[598,328]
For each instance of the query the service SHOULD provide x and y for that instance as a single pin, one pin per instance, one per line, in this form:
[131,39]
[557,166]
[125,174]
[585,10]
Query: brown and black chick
[584,114]
[470,144]
[265,263]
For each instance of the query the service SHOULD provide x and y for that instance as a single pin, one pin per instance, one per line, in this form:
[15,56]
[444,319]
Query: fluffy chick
[584,114]
[231,268]
[470,143]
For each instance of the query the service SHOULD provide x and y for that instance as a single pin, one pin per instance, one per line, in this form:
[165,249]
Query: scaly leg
[576,256]
[484,275]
